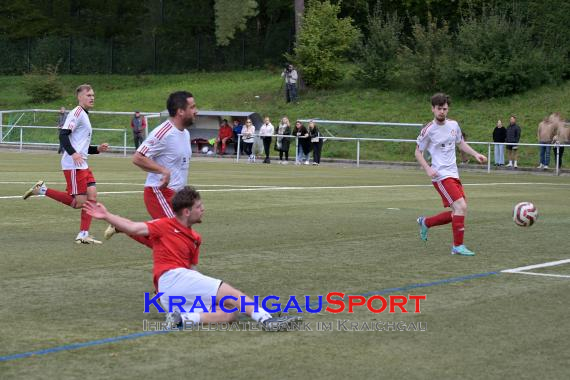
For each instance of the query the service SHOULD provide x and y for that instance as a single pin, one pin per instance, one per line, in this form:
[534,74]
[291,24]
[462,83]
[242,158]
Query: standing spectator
[562,137]
[248,137]
[439,137]
[304,146]
[266,133]
[60,122]
[316,141]
[138,125]
[499,136]
[547,129]
[237,132]
[513,137]
[282,143]
[225,134]
[291,77]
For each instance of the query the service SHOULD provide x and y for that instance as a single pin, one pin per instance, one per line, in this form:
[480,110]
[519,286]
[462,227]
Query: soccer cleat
[109,232]
[282,323]
[34,190]
[540,166]
[461,250]
[423,228]
[173,320]
[84,238]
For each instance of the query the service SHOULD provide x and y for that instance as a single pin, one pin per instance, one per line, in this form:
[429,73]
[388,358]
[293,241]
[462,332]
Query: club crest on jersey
[453,133]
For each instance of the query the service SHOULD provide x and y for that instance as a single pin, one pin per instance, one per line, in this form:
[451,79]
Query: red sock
[223,148]
[458,227]
[60,196]
[85,221]
[439,219]
[142,239]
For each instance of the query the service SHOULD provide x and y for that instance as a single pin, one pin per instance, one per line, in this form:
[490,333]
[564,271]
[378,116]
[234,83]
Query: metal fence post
[125,143]
[21,138]
[489,158]
[358,153]
[557,148]
[1,127]
[238,147]
[297,150]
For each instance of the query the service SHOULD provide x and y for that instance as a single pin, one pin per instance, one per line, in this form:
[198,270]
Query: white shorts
[187,283]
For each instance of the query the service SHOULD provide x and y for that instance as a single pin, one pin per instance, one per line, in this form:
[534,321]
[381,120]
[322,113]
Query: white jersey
[78,123]
[169,147]
[439,141]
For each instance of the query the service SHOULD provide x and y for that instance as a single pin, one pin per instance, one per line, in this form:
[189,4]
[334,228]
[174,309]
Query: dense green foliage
[323,44]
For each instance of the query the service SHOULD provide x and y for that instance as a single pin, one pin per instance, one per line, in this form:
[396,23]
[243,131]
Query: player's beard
[440,119]
[188,122]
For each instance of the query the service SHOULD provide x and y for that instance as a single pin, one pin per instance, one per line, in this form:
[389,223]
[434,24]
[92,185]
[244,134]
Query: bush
[377,56]
[43,85]
[323,43]
[498,56]
[426,62]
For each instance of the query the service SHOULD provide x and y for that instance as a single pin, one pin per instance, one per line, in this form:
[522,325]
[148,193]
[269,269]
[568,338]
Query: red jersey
[174,246]
[225,132]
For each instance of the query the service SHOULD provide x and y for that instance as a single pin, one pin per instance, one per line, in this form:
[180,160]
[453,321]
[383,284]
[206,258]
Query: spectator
[282,143]
[304,143]
[316,141]
[247,133]
[562,137]
[513,137]
[290,75]
[266,133]
[225,135]
[237,132]
[499,136]
[138,125]
[545,135]
[60,122]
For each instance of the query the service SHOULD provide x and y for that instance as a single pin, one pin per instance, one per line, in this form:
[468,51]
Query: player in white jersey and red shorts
[165,155]
[75,139]
[439,137]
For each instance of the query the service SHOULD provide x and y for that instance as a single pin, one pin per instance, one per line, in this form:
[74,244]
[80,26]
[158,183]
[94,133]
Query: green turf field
[287,230]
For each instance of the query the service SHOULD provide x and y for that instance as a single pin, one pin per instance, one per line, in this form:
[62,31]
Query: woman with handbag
[282,143]
[316,141]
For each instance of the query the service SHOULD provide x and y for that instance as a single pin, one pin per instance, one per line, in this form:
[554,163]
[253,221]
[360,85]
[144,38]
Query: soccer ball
[205,150]
[525,214]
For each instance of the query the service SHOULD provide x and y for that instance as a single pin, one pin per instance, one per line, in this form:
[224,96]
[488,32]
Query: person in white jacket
[266,133]
[248,138]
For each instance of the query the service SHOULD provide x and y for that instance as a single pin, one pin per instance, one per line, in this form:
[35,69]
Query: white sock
[510,162]
[260,316]
[515,162]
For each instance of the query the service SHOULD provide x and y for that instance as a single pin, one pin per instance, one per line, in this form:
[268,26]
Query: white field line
[125,183]
[280,188]
[523,270]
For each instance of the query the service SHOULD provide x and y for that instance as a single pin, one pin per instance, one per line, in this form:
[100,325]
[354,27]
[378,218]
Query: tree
[232,15]
[323,43]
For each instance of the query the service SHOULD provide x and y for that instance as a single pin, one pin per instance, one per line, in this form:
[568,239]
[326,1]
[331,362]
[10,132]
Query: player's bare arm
[467,149]
[424,164]
[151,166]
[103,147]
[98,211]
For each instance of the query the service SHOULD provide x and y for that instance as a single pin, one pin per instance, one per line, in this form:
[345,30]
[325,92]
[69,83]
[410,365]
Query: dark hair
[176,101]
[440,99]
[185,198]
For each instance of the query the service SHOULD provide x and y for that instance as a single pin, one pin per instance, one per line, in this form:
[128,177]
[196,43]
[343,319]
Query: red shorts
[450,190]
[78,180]
[158,202]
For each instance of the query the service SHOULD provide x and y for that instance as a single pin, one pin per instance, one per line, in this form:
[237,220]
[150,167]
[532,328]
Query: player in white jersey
[165,155]
[75,139]
[439,137]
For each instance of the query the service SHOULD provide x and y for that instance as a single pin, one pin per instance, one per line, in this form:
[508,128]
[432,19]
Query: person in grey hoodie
[513,137]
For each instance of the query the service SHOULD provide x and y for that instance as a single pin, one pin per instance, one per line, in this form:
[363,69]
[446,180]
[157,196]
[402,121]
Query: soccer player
[439,138]
[165,155]
[176,247]
[75,137]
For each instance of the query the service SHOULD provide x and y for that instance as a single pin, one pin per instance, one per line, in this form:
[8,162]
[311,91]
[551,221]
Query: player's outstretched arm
[467,149]
[98,211]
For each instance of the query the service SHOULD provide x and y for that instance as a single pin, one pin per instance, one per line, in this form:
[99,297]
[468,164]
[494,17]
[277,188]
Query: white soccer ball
[525,214]
[205,150]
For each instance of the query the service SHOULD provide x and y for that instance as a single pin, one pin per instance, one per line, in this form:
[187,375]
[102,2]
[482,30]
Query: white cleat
[34,190]
[109,232]
[84,238]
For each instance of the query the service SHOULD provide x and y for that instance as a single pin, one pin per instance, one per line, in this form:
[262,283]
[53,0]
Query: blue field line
[98,342]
